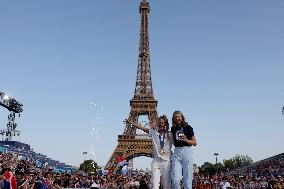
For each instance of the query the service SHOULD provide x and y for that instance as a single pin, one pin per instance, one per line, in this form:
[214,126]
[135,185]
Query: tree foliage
[236,162]
[207,169]
[211,169]
[89,166]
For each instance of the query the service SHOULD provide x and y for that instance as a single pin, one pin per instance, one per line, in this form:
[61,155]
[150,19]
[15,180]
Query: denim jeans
[182,167]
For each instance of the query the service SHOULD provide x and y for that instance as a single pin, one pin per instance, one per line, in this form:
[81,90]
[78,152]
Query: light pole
[85,153]
[216,154]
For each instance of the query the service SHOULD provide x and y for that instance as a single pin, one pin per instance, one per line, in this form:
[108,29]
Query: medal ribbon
[162,141]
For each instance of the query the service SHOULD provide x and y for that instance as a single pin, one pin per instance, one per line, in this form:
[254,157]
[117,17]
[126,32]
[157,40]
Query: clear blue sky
[73,66]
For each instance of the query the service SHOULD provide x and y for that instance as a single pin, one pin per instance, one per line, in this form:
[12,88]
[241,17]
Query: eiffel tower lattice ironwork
[130,144]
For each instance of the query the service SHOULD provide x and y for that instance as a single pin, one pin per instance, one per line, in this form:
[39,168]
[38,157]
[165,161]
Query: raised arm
[139,126]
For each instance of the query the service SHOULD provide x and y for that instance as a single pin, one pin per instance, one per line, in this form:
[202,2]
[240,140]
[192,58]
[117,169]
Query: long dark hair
[173,118]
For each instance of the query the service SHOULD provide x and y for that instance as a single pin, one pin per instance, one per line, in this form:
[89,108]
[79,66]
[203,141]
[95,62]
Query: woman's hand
[183,138]
[191,141]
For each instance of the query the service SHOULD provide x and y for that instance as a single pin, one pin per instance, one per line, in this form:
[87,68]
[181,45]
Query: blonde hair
[164,117]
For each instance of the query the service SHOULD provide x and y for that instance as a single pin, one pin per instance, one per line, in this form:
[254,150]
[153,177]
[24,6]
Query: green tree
[208,169]
[237,161]
[241,160]
[89,166]
[229,164]
[219,167]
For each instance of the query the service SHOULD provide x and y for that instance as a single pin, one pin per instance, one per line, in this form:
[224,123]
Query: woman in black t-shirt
[182,160]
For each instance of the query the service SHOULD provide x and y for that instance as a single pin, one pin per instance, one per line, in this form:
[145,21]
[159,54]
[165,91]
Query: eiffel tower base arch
[130,147]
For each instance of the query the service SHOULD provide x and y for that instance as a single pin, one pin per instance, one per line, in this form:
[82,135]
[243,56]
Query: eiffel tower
[130,144]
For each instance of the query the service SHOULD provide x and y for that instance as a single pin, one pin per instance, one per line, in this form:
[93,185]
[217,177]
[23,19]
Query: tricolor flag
[121,161]
[10,178]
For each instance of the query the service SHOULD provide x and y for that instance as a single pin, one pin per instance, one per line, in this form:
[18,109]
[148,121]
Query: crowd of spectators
[265,174]
[270,166]
[17,173]
[26,175]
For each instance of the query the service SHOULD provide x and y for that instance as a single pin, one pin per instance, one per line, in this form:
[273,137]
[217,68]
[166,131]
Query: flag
[121,161]
[10,178]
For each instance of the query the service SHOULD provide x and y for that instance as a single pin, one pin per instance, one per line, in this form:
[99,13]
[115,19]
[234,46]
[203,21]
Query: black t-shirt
[187,130]
[143,185]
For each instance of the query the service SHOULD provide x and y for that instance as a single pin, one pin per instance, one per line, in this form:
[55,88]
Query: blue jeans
[182,167]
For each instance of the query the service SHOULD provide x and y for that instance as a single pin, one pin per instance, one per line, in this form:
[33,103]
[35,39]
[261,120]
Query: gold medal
[162,151]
